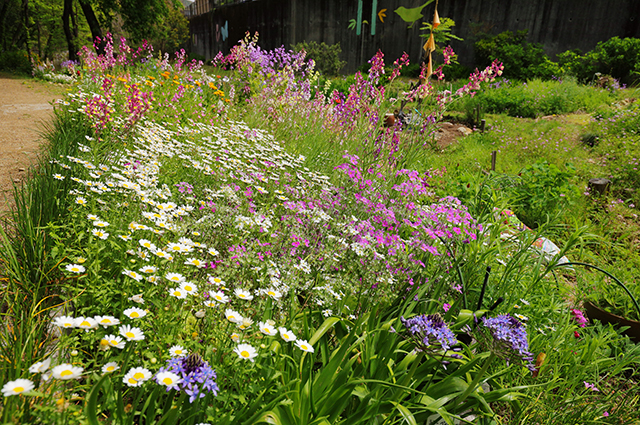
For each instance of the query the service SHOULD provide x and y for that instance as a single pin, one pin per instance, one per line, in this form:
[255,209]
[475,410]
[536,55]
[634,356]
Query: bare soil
[25,109]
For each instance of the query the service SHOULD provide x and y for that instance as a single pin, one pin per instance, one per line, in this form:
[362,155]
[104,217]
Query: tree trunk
[94,26]
[26,28]
[66,15]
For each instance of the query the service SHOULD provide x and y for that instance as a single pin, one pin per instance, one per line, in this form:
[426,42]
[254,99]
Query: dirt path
[24,109]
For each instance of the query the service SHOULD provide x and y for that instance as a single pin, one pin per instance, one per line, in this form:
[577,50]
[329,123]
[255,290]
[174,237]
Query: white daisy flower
[86,323]
[137,376]
[242,294]
[179,293]
[65,322]
[40,367]
[147,244]
[246,352]
[110,367]
[246,323]
[175,277]
[100,234]
[274,293]
[81,201]
[195,262]
[105,321]
[112,341]
[304,346]
[178,351]
[132,275]
[131,333]
[134,313]
[16,387]
[75,268]
[267,329]
[216,281]
[233,316]
[100,223]
[66,371]
[286,334]
[92,217]
[213,251]
[219,297]
[189,287]
[168,379]
[58,176]
[209,303]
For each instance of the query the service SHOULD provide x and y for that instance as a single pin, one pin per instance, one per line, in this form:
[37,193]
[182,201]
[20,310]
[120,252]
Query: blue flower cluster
[198,377]
[509,338]
[430,332]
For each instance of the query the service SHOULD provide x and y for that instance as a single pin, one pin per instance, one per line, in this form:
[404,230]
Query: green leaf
[406,414]
[323,329]
[91,408]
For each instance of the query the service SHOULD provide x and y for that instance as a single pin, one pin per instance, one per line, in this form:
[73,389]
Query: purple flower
[592,387]
[198,377]
[507,339]
[430,332]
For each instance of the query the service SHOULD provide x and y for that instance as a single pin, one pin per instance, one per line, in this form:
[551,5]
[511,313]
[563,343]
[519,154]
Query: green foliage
[326,57]
[172,30]
[538,98]
[542,192]
[522,60]
[442,34]
[17,61]
[617,57]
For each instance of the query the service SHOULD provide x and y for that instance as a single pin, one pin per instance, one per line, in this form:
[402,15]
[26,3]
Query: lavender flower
[507,339]
[198,377]
[430,332]
[578,316]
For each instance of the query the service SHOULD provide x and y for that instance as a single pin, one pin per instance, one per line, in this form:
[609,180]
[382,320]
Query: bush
[326,57]
[17,61]
[522,60]
[617,57]
[536,98]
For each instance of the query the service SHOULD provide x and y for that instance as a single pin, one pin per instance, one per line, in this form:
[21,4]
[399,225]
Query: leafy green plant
[541,192]
[522,60]
[325,56]
[617,57]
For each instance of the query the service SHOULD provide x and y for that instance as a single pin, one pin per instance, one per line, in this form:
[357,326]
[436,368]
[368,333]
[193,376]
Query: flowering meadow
[246,245]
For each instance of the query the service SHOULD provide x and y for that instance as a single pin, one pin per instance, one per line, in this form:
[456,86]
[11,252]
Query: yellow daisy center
[104,342]
[113,342]
[18,389]
[304,347]
[177,293]
[132,381]
[110,368]
[66,373]
[130,334]
[135,314]
[85,323]
[138,376]
[167,381]
[271,293]
[105,321]
[244,353]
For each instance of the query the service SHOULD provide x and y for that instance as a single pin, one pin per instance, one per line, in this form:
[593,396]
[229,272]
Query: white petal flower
[16,387]
[66,371]
[246,351]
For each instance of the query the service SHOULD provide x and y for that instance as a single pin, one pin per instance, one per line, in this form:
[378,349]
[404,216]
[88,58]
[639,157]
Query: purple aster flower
[198,378]
[507,339]
[430,332]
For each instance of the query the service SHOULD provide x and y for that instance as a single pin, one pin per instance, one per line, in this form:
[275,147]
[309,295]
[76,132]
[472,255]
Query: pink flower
[446,307]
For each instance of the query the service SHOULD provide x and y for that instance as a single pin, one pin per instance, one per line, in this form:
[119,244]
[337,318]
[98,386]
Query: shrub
[617,57]
[326,57]
[522,60]
[15,61]
[536,98]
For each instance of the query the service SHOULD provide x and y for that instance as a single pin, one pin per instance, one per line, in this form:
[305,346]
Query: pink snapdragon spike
[578,316]
[448,54]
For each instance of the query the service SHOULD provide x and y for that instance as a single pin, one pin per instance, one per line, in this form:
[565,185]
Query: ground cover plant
[251,247]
